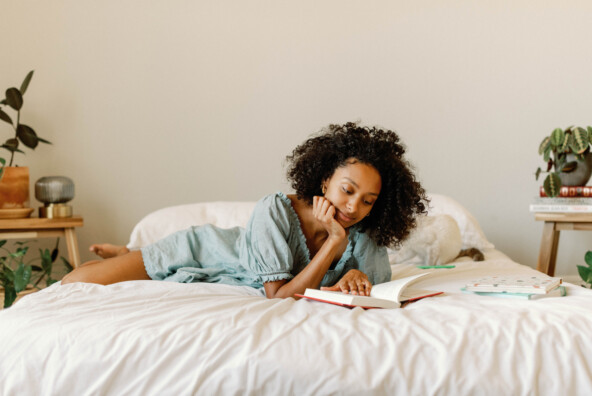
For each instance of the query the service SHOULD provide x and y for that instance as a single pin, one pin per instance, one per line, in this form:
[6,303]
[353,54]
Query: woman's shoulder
[276,207]
[275,200]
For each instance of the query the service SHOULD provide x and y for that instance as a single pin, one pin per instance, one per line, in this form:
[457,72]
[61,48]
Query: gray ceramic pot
[54,189]
[581,175]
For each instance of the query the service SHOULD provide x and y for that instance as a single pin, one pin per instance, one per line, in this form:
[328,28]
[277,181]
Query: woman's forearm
[310,277]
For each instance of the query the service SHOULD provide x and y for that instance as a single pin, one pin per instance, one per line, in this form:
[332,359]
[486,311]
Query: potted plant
[568,158]
[14,180]
[586,272]
[16,275]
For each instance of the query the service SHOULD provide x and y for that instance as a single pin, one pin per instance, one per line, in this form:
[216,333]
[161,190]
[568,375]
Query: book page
[392,290]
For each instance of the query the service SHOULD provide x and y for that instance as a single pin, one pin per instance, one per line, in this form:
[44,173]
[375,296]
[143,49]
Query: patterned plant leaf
[557,137]
[580,141]
[565,146]
[552,184]
[544,145]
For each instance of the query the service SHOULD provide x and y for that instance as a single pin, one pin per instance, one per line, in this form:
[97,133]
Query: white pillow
[471,233]
[435,241]
[164,222]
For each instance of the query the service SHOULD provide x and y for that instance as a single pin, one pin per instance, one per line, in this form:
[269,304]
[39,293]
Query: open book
[384,295]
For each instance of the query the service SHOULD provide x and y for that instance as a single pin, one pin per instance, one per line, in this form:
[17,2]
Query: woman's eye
[345,190]
[369,203]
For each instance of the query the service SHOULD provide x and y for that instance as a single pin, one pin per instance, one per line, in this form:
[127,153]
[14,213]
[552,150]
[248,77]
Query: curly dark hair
[401,198]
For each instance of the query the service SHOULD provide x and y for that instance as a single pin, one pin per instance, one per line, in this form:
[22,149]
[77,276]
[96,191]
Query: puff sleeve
[269,244]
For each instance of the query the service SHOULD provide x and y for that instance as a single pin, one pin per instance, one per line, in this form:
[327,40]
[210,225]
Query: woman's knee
[77,275]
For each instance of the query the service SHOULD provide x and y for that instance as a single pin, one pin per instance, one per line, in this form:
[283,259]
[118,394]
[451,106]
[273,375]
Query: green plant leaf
[3,242]
[588,258]
[579,142]
[27,135]
[14,98]
[544,145]
[537,173]
[11,144]
[12,149]
[67,264]
[22,275]
[569,167]
[557,137]
[5,117]
[36,268]
[565,146]
[46,262]
[585,273]
[589,129]
[26,82]
[9,296]
[552,184]
[547,153]
[43,140]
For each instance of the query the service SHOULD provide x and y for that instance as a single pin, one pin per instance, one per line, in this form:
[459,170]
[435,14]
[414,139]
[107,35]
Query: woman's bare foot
[107,250]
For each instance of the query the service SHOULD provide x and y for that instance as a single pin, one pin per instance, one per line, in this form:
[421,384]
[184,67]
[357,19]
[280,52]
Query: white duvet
[159,338]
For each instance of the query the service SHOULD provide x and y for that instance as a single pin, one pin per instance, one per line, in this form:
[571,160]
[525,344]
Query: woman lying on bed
[355,194]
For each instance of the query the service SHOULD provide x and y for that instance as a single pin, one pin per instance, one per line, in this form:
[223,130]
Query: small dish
[16,213]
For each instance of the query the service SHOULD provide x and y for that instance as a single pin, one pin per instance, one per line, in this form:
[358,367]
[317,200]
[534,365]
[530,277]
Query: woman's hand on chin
[324,212]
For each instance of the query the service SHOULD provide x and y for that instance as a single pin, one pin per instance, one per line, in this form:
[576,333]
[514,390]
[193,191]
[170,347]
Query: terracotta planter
[14,187]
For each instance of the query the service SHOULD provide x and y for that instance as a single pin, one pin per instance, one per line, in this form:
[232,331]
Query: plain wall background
[152,104]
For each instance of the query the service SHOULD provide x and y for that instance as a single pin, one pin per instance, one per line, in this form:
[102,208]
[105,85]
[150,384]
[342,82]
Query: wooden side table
[34,227]
[554,223]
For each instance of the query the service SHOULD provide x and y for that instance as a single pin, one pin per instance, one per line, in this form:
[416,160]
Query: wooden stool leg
[548,249]
[72,242]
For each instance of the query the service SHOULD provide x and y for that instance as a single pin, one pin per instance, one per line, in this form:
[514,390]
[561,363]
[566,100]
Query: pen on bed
[435,266]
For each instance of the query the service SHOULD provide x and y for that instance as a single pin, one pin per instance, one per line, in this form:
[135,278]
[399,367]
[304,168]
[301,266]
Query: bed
[162,338]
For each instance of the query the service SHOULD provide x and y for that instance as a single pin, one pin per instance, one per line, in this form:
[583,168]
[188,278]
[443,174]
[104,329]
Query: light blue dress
[272,247]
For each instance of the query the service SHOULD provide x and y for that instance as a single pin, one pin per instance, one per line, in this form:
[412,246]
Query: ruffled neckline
[348,250]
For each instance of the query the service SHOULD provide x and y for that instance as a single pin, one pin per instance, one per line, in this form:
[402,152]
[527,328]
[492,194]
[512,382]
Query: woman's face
[352,190]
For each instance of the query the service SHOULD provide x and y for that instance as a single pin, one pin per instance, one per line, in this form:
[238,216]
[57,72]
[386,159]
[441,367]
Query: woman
[355,195]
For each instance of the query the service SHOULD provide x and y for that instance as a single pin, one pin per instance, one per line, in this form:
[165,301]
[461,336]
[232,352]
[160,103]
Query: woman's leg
[104,272]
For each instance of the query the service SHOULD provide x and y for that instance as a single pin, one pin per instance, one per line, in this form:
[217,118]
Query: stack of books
[571,199]
[569,192]
[519,287]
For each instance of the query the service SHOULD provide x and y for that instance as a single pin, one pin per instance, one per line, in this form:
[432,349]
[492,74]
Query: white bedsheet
[159,338]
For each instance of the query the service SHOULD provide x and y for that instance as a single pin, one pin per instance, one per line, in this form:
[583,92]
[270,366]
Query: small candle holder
[54,192]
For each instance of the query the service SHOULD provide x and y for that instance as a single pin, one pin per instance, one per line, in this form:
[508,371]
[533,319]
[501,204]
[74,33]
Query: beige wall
[153,103]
